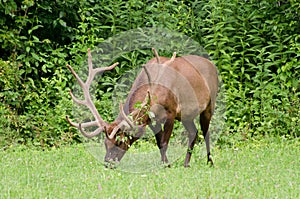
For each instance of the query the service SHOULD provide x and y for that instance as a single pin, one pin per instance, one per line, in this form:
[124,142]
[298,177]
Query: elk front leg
[192,130]
[162,137]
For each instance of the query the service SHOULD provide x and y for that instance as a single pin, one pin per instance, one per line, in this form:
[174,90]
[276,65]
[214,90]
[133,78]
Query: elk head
[121,133]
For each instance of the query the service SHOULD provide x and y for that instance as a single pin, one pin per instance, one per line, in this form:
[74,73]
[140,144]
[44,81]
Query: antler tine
[93,72]
[166,62]
[87,98]
[115,130]
[156,55]
[173,57]
[90,135]
[82,102]
[126,118]
[75,75]
[83,125]
[170,60]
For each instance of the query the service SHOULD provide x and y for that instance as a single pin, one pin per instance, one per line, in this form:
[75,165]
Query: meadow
[254,44]
[263,168]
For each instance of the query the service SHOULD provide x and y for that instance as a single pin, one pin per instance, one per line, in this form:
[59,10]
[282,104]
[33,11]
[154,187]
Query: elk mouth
[113,156]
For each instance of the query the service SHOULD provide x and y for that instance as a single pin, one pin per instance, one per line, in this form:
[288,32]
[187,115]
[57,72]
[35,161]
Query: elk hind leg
[205,118]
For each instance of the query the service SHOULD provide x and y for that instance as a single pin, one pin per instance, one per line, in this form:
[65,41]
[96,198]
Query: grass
[251,169]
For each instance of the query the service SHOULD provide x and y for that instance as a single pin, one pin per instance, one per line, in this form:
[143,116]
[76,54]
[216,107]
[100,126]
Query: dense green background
[255,45]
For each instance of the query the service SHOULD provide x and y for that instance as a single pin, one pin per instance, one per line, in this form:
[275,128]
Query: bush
[255,45]
[256,48]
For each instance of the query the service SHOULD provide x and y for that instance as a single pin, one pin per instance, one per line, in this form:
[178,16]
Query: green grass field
[249,169]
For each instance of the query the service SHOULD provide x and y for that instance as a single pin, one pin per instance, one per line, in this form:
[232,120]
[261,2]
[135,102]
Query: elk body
[167,89]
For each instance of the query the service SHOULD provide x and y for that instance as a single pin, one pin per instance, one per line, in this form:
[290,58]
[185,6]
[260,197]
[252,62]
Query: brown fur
[182,90]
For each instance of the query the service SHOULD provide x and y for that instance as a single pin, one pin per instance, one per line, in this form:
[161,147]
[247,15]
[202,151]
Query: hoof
[186,165]
[210,162]
[166,165]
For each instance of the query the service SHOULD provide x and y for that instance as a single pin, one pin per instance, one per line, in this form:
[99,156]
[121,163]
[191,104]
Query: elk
[166,89]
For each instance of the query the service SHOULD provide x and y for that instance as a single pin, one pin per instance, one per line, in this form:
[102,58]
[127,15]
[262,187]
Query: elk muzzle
[114,153]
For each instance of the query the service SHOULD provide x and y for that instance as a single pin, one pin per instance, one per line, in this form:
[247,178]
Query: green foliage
[250,169]
[254,44]
[256,48]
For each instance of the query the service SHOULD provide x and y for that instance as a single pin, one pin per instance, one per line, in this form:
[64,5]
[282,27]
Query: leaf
[62,14]
[34,28]
[32,82]
[35,56]
[62,23]
[44,68]
[20,57]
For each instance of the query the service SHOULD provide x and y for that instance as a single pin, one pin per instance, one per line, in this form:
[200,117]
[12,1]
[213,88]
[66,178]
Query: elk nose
[110,163]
